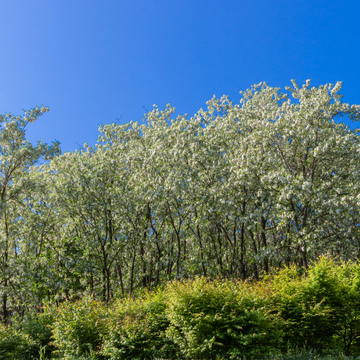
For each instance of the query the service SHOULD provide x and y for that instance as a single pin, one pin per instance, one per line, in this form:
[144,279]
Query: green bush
[38,328]
[348,307]
[316,311]
[137,330]
[302,304]
[321,309]
[15,345]
[78,328]
[211,319]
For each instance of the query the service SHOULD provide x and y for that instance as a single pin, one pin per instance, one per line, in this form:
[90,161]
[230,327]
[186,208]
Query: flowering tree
[16,156]
[232,191]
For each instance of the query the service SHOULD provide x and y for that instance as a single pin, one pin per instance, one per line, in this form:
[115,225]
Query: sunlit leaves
[232,191]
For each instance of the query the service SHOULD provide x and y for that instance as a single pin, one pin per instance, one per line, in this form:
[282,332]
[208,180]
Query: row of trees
[231,192]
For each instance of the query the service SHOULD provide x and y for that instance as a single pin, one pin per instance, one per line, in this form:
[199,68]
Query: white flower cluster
[231,191]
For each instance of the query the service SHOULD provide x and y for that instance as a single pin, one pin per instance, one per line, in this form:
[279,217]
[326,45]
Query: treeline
[314,312]
[230,192]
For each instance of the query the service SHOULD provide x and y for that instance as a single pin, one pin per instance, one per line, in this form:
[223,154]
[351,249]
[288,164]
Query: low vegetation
[186,238]
[312,313]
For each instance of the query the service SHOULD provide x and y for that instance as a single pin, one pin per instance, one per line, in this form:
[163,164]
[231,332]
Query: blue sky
[93,62]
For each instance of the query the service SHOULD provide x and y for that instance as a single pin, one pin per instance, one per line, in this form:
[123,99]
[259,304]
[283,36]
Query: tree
[16,156]
[232,191]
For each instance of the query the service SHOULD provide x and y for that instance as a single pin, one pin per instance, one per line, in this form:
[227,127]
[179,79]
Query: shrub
[348,308]
[321,309]
[215,318]
[38,328]
[79,328]
[289,314]
[137,330]
[15,345]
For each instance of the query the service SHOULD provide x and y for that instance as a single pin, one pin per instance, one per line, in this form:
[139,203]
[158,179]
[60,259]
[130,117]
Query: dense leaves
[209,319]
[232,192]
[317,311]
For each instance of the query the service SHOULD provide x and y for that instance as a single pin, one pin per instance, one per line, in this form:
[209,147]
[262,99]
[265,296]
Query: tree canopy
[230,192]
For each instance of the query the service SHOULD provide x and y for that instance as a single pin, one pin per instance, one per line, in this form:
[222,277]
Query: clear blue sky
[94,61]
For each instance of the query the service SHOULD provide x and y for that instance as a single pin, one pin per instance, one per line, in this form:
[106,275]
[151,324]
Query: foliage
[290,313]
[17,155]
[78,328]
[231,192]
[38,328]
[209,319]
[301,354]
[137,330]
[321,309]
[15,345]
